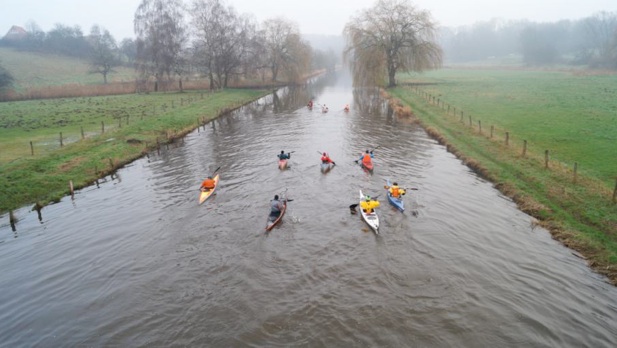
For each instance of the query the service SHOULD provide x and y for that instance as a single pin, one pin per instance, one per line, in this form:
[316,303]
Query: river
[136,261]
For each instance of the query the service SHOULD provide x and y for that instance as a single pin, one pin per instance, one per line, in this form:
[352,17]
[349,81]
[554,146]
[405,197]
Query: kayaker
[310,104]
[366,157]
[276,206]
[208,184]
[346,108]
[326,159]
[284,155]
[324,108]
[369,204]
[396,191]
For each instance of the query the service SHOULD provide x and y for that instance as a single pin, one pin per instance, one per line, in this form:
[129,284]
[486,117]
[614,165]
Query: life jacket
[369,206]
[366,158]
[325,159]
[394,191]
[208,184]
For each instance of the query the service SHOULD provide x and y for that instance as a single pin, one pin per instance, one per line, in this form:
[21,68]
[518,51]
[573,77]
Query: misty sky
[313,16]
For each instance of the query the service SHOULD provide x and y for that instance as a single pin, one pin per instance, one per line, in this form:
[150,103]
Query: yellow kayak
[203,195]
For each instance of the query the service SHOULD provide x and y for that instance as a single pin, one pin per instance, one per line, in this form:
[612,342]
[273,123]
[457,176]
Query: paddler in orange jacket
[366,158]
[326,159]
[396,191]
[208,184]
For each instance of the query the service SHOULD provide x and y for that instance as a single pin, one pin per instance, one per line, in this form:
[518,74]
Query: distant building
[16,33]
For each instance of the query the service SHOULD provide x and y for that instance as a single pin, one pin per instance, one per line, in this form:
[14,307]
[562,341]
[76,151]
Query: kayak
[325,167]
[397,202]
[273,220]
[203,195]
[283,164]
[371,219]
[367,166]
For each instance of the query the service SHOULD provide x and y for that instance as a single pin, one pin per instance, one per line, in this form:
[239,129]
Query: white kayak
[371,219]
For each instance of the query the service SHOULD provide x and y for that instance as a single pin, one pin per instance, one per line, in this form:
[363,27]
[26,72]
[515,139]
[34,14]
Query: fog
[325,17]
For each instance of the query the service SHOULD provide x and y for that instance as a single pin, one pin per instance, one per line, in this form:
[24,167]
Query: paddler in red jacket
[326,159]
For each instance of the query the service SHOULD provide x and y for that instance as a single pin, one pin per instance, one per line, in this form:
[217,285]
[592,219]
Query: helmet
[282,151]
[367,151]
[367,198]
[395,184]
[276,197]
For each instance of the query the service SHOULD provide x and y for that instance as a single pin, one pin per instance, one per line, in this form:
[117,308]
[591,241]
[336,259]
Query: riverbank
[577,210]
[49,145]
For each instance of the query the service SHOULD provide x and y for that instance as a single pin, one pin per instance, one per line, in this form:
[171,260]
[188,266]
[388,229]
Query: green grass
[32,70]
[572,116]
[42,178]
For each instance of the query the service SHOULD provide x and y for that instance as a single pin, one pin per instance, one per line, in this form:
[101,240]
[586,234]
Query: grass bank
[99,135]
[572,116]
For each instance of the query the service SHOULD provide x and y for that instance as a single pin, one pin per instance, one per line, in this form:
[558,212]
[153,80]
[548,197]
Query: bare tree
[599,32]
[285,49]
[221,40]
[389,37]
[161,35]
[104,52]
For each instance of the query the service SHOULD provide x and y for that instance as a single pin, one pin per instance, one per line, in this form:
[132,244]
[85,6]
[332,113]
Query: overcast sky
[313,16]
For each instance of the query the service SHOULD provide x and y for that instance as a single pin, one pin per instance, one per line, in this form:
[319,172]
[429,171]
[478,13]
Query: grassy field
[32,70]
[133,123]
[572,116]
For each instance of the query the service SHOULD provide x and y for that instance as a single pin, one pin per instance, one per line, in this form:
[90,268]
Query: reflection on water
[137,261]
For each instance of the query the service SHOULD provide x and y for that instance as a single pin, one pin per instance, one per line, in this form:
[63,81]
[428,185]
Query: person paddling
[310,104]
[366,158]
[326,159]
[276,206]
[208,184]
[396,191]
[284,156]
[368,204]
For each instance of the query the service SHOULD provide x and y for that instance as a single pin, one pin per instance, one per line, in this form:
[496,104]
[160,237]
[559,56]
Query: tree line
[176,40]
[591,41]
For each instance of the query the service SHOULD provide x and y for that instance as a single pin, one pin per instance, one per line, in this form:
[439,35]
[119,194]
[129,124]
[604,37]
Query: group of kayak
[367,204]
[324,108]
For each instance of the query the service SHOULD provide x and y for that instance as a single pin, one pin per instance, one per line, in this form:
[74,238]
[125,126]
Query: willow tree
[389,37]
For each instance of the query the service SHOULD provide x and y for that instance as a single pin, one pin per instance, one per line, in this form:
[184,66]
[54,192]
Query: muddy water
[137,262]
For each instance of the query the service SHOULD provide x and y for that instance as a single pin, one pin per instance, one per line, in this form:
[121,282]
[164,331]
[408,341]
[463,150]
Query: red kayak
[283,164]
[368,166]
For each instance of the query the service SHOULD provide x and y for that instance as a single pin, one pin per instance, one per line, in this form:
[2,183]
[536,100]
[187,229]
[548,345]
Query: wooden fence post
[545,158]
[524,147]
[480,126]
[575,171]
[72,190]
[470,125]
[31,148]
[82,133]
[492,129]
[61,144]
[102,127]
[507,138]
[615,193]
